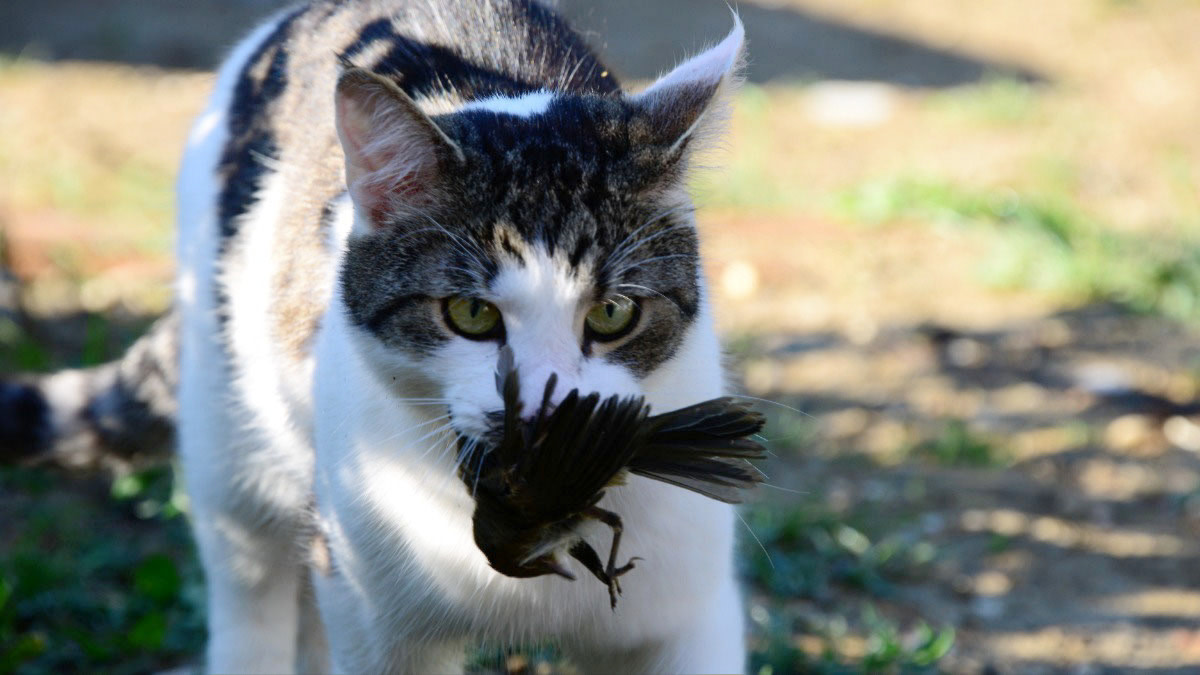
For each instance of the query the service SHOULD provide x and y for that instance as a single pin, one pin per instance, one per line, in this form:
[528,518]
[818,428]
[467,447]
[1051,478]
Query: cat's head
[558,224]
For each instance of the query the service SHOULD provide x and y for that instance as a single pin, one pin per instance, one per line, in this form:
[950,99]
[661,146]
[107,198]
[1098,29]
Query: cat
[379,195]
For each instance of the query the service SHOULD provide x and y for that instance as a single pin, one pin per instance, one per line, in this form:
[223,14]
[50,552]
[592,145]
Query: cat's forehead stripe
[525,105]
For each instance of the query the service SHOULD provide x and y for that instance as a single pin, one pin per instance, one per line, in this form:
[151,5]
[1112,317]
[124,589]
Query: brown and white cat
[379,196]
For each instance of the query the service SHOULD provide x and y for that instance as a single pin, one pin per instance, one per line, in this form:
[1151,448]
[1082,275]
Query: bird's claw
[614,584]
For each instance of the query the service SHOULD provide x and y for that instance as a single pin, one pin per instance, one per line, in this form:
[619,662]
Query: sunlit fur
[300,424]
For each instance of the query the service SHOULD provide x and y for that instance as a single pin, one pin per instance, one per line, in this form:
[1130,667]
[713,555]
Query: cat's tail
[116,413]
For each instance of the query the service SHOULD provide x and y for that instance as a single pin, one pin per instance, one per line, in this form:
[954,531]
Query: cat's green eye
[473,317]
[611,318]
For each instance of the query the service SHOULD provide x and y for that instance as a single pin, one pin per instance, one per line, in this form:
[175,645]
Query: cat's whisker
[651,290]
[479,256]
[400,434]
[464,453]
[631,244]
[642,263]
[463,457]
[441,429]
[763,439]
[783,489]
[631,239]
[478,471]
[476,275]
[756,539]
[656,235]
[781,405]
[440,476]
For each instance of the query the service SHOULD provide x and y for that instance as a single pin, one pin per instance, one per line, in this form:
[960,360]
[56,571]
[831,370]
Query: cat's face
[568,248]
[562,231]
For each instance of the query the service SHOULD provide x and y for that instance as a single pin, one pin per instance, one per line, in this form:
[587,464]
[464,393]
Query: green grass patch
[808,554]
[89,585]
[807,550]
[535,658]
[19,352]
[995,101]
[957,445]
[1046,243]
[750,179]
[888,647]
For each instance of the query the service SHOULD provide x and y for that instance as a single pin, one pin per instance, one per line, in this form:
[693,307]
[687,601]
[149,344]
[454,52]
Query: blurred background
[956,243]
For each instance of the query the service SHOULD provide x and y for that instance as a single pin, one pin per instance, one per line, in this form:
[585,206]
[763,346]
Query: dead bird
[541,479]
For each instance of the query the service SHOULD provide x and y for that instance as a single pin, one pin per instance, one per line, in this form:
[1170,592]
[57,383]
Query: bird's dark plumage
[540,479]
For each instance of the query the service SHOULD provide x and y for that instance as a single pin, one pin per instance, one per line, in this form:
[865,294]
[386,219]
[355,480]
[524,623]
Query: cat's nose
[542,392]
[541,384]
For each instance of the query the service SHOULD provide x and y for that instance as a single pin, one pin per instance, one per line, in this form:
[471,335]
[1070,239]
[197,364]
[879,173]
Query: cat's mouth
[475,441]
[475,458]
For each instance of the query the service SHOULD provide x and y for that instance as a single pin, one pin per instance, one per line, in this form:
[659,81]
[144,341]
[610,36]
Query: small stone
[846,423]
[1129,432]
[992,583]
[1183,432]
[987,607]
[739,280]
[850,104]
[966,353]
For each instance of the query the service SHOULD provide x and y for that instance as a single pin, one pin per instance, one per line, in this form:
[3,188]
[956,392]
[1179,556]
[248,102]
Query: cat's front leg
[244,517]
[253,584]
[363,640]
[411,657]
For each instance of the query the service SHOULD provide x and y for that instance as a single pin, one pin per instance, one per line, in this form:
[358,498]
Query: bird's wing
[579,449]
[703,448]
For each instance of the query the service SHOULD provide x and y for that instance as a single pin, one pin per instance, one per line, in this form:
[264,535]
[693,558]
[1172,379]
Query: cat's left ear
[691,102]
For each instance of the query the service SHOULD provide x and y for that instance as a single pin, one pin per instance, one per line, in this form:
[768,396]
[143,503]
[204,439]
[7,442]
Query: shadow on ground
[1052,465]
[1036,487]
[640,39]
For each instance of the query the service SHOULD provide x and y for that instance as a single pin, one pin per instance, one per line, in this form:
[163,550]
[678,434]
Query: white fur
[525,105]
[719,66]
[247,489]
[411,585]
[710,66]
[409,589]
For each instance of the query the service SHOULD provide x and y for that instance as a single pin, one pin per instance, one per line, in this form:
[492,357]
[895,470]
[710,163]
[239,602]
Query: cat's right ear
[395,154]
[692,101]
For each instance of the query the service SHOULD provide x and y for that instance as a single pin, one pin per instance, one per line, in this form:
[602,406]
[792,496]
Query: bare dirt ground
[1029,449]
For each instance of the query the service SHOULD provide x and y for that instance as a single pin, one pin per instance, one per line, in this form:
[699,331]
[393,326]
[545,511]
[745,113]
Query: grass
[807,553]
[996,101]
[750,178]
[89,587]
[1046,243]
[516,659]
[884,647]
[1071,206]
[94,583]
[19,352]
[957,445]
